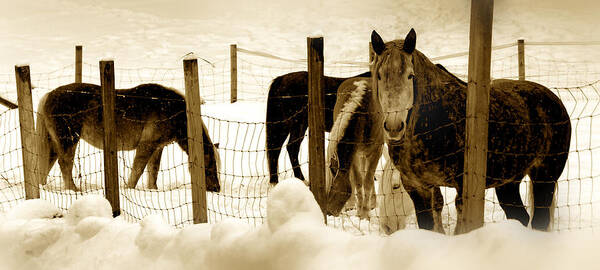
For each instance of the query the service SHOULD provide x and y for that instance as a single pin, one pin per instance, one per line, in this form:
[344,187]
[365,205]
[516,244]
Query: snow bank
[294,237]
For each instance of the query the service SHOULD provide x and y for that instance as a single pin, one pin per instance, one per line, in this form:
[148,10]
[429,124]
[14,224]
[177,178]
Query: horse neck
[431,81]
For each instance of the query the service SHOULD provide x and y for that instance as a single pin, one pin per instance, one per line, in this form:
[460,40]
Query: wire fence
[240,131]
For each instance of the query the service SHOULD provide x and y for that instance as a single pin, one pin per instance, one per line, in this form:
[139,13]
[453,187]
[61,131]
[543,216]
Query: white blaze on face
[395,91]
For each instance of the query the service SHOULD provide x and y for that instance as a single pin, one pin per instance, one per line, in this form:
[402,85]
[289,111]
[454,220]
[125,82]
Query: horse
[148,117]
[287,114]
[355,146]
[395,205]
[425,117]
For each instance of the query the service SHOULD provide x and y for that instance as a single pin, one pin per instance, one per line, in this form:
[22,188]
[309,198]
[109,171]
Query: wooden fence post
[475,168]
[234,84]
[195,143]
[371,52]
[521,49]
[9,104]
[32,189]
[78,63]
[111,169]
[316,120]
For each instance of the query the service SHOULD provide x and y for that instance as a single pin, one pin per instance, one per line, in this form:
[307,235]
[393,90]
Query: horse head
[394,81]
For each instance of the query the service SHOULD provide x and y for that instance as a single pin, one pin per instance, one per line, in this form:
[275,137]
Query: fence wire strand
[240,131]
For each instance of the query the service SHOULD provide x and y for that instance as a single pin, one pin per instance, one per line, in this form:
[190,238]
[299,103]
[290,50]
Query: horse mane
[348,110]
[432,80]
[451,74]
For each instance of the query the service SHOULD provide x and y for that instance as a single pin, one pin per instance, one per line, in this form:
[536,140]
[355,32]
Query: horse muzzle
[394,131]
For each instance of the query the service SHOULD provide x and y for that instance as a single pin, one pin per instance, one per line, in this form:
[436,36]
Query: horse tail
[43,144]
[277,125]
[273,102]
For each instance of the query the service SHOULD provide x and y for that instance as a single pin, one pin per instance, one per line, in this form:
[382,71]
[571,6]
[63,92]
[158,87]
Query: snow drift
[294,237]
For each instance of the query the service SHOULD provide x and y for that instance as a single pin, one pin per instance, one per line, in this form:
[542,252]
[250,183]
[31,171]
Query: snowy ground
[294,237]
[148,39]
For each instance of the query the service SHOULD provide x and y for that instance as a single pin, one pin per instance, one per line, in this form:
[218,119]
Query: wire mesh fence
[240,131]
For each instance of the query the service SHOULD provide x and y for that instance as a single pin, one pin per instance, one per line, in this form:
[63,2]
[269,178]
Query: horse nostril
[399,129]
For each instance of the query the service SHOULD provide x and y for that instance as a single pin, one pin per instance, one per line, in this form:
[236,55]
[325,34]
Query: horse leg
[437,202]
[65,161]
[352,201]
[153,167]
[371,161]
[46,162]
[510,201]
[544,185]
[423,208]
[142,155]
[426,201]
[458,203]
[358,180]
[276,133]
[293,147]
[543,195]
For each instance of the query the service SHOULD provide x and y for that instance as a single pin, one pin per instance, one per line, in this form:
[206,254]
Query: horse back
[288,94]
[357,113]
[543,113]
[70,99]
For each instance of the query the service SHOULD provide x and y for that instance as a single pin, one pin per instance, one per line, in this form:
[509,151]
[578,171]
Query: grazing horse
[425,116]
[287,114]
[148,117]
[355,146]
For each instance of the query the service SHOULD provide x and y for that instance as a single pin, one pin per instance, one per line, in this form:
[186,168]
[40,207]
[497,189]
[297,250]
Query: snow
[293,194]
[190,56]
[294,237]
[90,205]
[290,233]
[35,208]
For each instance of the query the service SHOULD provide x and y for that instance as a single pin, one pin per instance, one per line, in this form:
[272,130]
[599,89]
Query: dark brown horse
[355,146]
[425,112]
[148,117]
[287,114]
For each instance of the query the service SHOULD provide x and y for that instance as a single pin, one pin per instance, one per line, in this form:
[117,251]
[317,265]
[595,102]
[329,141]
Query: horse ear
[410,41]
[377,43]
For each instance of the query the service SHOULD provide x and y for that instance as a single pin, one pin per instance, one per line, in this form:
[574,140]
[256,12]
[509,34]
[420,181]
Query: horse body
[356,143]
[147,118]
[529,134]
[287,114]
